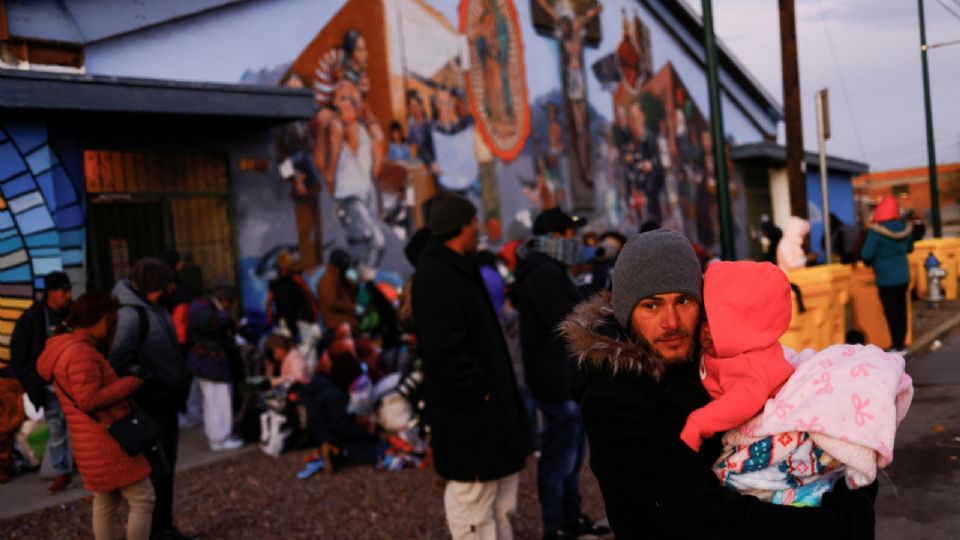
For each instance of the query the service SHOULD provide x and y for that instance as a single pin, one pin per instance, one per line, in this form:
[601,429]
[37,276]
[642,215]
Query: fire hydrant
[934,274]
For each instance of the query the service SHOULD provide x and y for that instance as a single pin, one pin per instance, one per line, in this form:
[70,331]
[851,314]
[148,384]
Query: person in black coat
[544,295]
[30,334]
[479,429]
[637,388]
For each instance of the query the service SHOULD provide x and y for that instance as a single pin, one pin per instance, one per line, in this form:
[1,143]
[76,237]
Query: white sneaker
[230,443]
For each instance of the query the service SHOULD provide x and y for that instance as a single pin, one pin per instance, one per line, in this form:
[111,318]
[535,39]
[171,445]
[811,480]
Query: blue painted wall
[840,188]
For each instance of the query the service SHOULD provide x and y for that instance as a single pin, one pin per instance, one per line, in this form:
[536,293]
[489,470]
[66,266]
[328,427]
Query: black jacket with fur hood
[654,486]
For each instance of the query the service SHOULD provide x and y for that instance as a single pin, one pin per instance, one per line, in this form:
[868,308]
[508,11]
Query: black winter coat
[544,296]
[653,485]
[26,344]
[478,422]
[327,418]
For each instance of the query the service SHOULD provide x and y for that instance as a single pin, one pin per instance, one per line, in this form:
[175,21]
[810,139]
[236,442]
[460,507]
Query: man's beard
[691,353]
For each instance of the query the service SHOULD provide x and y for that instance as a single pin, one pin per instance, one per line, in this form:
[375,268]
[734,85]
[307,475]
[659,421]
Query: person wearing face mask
[337,292]
[544,295]
[146,346]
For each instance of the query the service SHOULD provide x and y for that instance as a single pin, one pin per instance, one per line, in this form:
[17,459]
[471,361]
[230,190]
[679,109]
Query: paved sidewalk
[919,500]
[28,493]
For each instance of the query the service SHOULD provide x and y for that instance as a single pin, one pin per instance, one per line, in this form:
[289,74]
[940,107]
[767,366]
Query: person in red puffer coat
[93,397]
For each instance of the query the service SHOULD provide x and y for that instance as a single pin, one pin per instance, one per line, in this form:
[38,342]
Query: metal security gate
[145,202]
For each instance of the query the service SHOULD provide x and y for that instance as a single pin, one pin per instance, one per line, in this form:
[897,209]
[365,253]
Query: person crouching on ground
[93,397]
[285,364]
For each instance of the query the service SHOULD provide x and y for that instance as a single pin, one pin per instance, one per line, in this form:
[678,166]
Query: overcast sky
[875,55]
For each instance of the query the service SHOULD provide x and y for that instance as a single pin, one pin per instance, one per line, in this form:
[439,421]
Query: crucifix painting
[575,24]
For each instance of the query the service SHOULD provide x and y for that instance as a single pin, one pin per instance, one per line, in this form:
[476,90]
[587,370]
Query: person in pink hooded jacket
[748,308]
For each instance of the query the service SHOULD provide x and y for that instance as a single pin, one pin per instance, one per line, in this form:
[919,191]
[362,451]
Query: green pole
[727,248]
[931,146]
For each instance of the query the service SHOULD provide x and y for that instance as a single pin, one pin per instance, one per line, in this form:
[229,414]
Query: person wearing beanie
[479,428]
[544,294]
[29,338]
[145,345]
[888,242]
[639,381]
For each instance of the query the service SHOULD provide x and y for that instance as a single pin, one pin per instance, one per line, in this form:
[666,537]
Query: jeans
[59,442]
[562,446]
[106,507]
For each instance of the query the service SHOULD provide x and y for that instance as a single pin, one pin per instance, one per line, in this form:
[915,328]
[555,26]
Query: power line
[946,7]
[843,85]
[944,43]
[957,2]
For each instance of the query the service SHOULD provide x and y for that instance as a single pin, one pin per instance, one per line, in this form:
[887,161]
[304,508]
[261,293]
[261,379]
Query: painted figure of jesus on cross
[570,28]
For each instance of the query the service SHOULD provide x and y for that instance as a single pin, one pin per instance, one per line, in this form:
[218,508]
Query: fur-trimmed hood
[893,229]
[596,339]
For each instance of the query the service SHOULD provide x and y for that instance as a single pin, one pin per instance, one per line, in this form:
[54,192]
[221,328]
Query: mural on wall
[416,96]
[41,221]
[496,80]
[567,22]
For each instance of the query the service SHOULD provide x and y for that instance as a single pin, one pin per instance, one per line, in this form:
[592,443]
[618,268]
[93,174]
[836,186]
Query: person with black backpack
[145,345]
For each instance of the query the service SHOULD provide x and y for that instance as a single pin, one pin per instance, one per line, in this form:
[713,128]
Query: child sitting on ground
[822,415]
[280,351]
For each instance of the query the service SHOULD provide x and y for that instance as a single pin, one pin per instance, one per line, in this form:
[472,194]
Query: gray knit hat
[450,213]
[655,262]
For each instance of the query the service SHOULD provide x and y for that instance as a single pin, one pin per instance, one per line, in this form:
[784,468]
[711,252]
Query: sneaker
[586,528]
[60,483]
[230,443]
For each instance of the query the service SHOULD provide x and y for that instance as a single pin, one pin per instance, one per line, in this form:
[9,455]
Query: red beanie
[886,210]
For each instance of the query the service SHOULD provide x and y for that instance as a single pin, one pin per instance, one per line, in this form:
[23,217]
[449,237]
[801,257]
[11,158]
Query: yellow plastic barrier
[840,280]
[812,328]
[868,314]
[946,250]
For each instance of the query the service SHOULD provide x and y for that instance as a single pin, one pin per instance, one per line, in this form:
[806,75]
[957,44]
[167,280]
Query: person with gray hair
[145,345]
[639,379]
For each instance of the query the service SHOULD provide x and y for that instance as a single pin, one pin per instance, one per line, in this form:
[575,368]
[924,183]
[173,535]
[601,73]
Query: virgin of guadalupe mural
[495,81]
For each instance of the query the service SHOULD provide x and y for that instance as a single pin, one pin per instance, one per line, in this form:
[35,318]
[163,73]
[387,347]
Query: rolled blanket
[849,399]
[783,469]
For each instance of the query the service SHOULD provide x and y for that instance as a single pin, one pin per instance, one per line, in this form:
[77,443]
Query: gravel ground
[257,497]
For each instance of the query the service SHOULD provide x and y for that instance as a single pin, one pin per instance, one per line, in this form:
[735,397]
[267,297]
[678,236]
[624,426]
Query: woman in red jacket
[93,397]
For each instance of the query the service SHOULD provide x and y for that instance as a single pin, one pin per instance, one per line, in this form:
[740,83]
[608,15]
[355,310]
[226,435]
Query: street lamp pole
[719,144]
[931,146]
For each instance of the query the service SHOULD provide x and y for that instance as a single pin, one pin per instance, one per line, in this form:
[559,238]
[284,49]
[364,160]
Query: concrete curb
[925,340]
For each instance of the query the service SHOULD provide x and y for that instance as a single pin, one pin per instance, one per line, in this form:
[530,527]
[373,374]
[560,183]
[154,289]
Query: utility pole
[931,146]
[719,142]
[791,108]
[823,133]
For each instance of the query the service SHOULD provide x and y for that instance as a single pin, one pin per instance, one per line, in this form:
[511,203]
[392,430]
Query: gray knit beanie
[656,262]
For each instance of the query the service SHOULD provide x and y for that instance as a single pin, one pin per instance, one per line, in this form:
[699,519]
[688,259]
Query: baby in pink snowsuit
[748,308]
